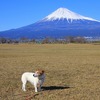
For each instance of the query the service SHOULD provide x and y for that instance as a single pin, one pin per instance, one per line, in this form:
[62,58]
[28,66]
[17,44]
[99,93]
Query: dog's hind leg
[24,81]
[23,87]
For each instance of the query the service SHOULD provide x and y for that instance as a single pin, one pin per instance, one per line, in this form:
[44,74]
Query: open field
[72,71]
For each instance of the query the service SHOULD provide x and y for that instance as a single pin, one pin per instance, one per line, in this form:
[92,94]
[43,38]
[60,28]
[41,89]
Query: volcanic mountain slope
[58,24]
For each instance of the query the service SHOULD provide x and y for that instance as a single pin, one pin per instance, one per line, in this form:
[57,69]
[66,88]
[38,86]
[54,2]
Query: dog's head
[39,72]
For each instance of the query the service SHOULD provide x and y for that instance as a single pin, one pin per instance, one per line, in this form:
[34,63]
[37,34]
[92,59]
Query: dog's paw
[24,90]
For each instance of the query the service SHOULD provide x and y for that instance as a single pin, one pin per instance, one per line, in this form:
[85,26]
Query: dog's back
[28,76]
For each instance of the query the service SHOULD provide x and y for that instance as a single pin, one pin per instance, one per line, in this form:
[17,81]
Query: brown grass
[72,71]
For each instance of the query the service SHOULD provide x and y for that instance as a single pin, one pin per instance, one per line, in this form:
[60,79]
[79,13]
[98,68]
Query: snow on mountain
[63,13]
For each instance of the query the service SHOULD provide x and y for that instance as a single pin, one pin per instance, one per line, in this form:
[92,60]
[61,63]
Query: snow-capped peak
[63,13]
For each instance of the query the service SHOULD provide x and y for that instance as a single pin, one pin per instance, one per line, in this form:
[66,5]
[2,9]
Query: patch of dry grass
[72,71]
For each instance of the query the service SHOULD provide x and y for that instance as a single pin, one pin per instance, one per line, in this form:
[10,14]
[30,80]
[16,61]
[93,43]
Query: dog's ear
[43,71]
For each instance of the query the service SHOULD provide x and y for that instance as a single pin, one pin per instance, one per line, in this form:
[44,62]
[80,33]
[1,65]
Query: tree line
[47,40]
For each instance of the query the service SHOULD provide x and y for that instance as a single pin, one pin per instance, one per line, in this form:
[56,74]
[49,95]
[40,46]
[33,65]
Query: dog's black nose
[34,75]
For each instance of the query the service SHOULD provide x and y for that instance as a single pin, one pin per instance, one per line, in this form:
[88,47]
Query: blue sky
[18,13]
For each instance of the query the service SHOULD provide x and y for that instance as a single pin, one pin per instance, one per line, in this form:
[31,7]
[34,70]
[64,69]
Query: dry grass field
[72,71]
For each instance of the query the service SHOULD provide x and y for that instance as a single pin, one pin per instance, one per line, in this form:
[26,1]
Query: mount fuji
[59,24]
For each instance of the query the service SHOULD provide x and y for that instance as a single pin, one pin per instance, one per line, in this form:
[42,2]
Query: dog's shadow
[54,87]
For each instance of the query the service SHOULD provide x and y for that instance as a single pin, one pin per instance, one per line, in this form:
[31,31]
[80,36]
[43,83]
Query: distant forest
[47,40]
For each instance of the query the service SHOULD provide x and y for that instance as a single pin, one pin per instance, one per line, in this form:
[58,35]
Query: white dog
[35,79]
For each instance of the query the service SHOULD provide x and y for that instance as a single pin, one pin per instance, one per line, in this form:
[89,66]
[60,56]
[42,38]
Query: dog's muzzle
[35,75]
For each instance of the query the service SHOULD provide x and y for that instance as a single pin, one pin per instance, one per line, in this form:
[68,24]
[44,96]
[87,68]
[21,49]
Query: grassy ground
[72,71]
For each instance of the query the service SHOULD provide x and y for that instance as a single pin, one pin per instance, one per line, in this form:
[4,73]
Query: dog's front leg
[35,86]
[39,88]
